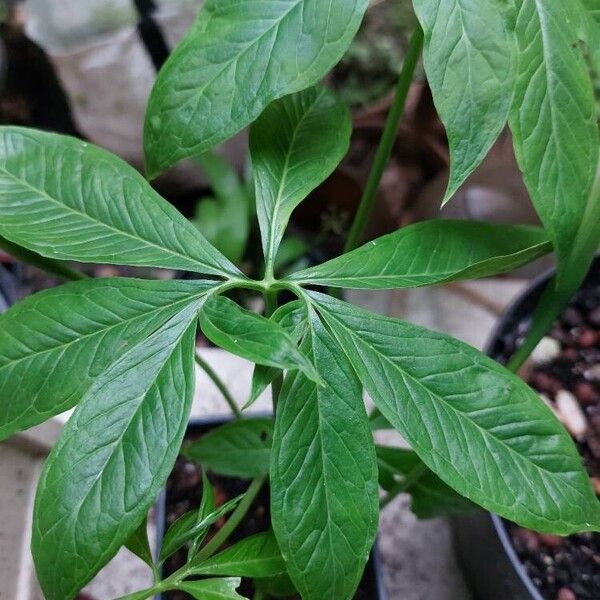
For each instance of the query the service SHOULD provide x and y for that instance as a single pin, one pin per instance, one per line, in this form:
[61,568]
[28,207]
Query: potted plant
[122,350]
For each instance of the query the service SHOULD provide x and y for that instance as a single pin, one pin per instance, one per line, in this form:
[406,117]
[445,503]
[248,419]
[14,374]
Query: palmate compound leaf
[66,199]
[429,253]
[54,344]
[480,428]
[324,505]
[555,131]
[295,145]
[113,457]
[470,60]
[237,59]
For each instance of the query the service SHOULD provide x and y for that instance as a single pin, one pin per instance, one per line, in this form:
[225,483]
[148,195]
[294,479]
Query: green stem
[258,595]
[234,520]
[220,385]
[387,141]
[404,485]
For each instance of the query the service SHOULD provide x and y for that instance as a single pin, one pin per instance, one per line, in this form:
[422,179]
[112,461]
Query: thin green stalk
[258,595]
[387,141]
[220,385]
[404,485]
[234,520]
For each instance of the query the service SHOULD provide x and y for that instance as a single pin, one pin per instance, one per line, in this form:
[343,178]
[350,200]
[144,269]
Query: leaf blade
[474,424]
[456,250]
[324,505]
[251,336]
[295,145]
[241,448]
[59,194]
[254,556]
[468,39]
[213,589]
[54,344]
[78,525]
[231,65]
[558,154]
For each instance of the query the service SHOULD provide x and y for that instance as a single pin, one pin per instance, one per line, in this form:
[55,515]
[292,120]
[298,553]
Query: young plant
[122,350]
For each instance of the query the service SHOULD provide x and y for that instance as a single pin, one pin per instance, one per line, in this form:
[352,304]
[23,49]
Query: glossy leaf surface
[54,344]
[213,589]
[295,145]
[254,556]
[70,200]
[430,496]
[554,126]
[431,252]
[112,458]
[251,336]
[236,59]
[241,448]
[476,425]
[324,506]
[292,317]
[470,61]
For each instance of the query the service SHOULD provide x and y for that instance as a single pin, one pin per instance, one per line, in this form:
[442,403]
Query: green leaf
[324,505]
[54,344]
[255,556]
[191,525]
[554,127]
[430,496]
[138,543]
[240,449]
[292,317]
[279,586]
[69,200]
[295,145]
[113,457]
[480,428]
[213,589]
[224,220]
[251,336]
[236,59]
[207,506]
[431,252]
[470,61]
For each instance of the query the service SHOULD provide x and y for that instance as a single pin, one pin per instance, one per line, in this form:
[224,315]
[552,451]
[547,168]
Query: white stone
[546,351]
[571,414]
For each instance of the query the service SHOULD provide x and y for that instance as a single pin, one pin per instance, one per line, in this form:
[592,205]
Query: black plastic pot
[481,540]
[372,578]
[9,288]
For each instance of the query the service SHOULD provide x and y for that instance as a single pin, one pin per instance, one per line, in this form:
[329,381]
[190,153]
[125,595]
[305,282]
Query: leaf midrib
[107,226]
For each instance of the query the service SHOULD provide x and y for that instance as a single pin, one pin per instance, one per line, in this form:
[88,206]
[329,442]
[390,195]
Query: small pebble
[596,485]
[571,414]
[572,317]
[586,392]
[551,541]
[594,317]
[546,351]
[545,383]
[593,442]
[565,594]
[588,338]
[526,539]
[592,374]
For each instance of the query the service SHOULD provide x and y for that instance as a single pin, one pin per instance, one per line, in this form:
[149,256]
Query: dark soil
[184,491]
[567,568]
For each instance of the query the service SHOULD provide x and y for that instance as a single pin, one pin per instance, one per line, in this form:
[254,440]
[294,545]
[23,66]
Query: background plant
[122,350]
